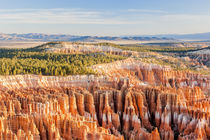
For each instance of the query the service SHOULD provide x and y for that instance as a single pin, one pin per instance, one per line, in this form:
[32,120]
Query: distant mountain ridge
[196,36]
[66,37]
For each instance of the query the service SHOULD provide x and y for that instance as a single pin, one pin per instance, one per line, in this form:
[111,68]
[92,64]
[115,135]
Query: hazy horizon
[105,18]
[143,35]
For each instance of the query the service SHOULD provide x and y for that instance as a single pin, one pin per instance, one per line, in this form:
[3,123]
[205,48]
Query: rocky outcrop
[151,74]
[201,56]
[36,81]
[75,48]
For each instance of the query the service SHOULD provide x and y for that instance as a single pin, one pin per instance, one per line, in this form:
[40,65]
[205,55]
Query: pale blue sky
[105,17]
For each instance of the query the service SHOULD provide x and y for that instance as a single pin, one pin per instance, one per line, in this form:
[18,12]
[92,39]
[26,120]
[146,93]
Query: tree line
[13,62]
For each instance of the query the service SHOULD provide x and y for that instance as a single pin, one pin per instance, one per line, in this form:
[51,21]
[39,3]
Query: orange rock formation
[145,103]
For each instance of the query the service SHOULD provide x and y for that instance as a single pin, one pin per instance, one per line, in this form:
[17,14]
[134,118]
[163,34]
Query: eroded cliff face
[68,47]
[36,81]
[151,74]
[202,56]
[133,101]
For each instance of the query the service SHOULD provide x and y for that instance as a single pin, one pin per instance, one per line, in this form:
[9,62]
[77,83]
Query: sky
[105,17]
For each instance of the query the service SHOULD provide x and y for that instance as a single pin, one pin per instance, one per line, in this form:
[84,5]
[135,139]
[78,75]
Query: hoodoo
[86,92]
[40,107]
